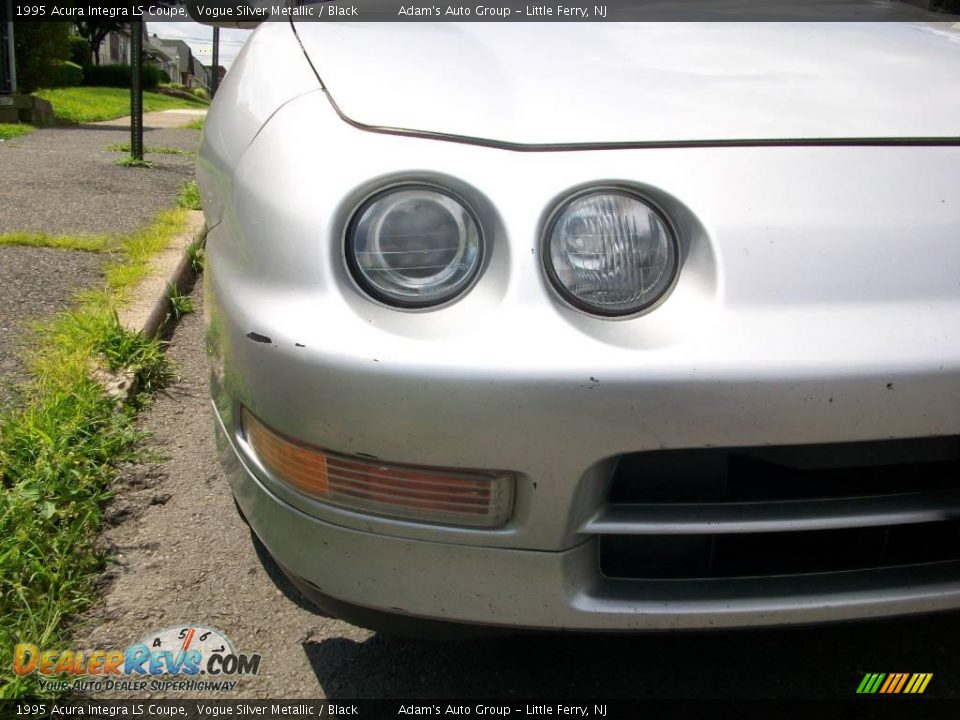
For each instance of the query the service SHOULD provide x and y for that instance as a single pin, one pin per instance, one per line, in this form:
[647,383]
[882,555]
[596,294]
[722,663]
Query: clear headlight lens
[414,247]
[610,253]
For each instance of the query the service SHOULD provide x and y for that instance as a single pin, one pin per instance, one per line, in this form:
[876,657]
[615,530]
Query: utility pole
[136,90]
[8,66]
[215,80]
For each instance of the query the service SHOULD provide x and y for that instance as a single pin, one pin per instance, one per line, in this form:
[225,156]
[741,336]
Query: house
[209,75]
[116,47]
[187,70]
[162,57]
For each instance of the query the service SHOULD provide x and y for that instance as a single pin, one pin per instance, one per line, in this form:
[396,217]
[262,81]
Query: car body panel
[803,295]
[645,82]
[555,590]
[818,301]
[269,71]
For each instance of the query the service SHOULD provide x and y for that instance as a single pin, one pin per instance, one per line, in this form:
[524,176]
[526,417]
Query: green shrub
[151,77]
[108,76]
[67,74]
[200,93]
[38,46]
[119,76]
[80,52]
[164,77]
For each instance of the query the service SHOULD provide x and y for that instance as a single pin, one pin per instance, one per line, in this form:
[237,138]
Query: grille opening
[857,471]
[779,553]
[791,472]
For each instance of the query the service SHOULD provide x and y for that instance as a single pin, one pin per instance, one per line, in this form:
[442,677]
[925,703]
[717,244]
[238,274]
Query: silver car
[592,327]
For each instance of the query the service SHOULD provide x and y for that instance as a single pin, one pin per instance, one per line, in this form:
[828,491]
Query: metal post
[215,80]
[136,90]
[8,64]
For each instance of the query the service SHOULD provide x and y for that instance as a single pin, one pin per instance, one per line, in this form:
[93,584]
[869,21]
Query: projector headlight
[414,246]
[610,253]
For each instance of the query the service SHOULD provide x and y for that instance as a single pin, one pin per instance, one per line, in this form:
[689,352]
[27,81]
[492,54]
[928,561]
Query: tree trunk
[96,42]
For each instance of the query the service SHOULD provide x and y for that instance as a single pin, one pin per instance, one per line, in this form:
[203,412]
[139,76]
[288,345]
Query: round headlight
[609,253]
[414,247]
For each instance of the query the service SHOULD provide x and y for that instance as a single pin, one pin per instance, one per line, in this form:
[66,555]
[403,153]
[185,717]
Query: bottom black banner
[653,708]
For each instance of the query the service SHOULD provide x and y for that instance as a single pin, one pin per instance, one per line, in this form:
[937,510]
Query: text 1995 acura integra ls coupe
[592,327]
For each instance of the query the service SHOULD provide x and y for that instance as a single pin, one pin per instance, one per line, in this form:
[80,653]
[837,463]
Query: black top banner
[249,13]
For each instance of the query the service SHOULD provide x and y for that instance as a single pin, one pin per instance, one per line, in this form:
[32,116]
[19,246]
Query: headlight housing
[609,252]
[414,246]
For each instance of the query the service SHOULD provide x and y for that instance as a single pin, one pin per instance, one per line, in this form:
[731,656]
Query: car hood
[657,82]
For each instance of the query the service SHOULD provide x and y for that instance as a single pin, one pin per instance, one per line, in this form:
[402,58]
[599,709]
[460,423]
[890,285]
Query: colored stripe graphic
[894,683]
[875,685]
[891,683]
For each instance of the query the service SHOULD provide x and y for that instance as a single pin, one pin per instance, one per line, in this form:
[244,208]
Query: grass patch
[195,124]
[161,150]
[142,245]
[134,162]
[12,130]
[197,253]
[137,248]
[122,349]
[180,305]
[56,457]
[86,243]
[189,196]
[93,104]
[58,454]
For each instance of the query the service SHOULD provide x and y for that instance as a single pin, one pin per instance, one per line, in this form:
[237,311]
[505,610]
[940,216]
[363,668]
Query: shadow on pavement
[825,661]
[276,574]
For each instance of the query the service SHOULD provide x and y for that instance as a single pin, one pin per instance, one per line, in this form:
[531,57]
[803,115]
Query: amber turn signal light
[450,497]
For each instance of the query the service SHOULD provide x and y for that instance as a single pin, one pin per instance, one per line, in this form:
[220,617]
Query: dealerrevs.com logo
[199,657]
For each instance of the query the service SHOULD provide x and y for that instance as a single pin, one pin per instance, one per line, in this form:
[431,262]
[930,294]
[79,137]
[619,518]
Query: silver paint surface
[818,301]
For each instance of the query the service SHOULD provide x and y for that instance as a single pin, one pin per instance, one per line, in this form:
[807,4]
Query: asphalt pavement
[183,556]
[34,283]
[65,181]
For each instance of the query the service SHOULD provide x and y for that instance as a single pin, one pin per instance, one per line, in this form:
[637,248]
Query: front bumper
[553,590]
[818,302]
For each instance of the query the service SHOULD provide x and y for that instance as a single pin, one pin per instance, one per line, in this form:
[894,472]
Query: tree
[38,47]
[95,31]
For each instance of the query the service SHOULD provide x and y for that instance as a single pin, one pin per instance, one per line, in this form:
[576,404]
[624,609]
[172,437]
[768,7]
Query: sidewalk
[159,120]
[65,181]
[60,180]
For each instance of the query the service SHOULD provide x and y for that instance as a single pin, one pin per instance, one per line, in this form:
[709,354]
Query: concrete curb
[149,308]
